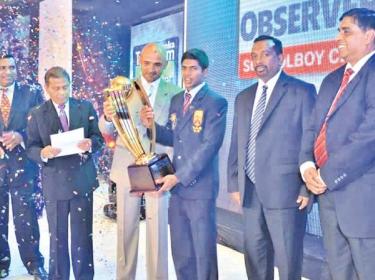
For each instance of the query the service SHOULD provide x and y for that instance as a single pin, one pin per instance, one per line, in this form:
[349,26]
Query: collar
[358,66]
[10,89]
[194,91]
[66,109]
[271,82]
[146,85]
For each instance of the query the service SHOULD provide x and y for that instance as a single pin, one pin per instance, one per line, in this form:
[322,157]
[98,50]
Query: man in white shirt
[263,174]
[153,62]
[338,151]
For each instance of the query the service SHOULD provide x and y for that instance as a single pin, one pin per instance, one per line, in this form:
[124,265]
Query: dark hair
[7,56]
[198,55]
[364,18]
[278,46]
[56,72]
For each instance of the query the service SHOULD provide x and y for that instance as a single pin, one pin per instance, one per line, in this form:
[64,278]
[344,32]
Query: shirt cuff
[304,166]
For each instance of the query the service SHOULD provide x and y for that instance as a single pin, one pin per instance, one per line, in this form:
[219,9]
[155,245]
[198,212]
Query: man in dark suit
[338,151]
[195,129]
[263,172]
[68,181]
[18,175]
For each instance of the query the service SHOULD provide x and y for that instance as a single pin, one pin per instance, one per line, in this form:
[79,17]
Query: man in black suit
[17,173]
[68,181]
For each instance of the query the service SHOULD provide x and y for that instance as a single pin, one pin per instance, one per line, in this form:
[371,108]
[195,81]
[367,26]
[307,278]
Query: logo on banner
[302,26]
[170,72]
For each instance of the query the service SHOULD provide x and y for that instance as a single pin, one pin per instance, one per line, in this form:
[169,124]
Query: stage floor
[231,263]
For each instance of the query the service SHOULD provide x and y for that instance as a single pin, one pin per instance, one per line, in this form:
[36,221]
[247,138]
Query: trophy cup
[148,165]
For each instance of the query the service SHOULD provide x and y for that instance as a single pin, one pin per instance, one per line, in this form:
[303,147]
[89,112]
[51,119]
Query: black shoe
[39,273]
[4,273]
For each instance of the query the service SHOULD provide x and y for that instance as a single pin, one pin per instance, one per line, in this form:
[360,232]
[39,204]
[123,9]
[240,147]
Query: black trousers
[79,209]
[25,222]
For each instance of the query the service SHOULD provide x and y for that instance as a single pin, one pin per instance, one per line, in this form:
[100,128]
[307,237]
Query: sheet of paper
[68,141]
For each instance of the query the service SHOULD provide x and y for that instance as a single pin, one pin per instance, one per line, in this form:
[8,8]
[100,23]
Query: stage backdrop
[225,29]
[168,31]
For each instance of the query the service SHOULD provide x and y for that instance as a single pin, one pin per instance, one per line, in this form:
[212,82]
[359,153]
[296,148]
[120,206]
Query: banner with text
[306,28]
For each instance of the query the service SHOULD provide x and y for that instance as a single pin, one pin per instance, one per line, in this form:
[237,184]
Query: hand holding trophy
[148,165]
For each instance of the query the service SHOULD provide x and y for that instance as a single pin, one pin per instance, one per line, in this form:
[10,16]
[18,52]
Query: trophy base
[142,177]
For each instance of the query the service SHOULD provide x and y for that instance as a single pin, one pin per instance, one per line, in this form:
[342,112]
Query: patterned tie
[186,102]
[63,117]
[5,106]
[320,146]
[254,129]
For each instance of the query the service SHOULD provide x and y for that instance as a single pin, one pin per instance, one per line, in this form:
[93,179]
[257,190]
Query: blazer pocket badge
[197,121]
[173,119]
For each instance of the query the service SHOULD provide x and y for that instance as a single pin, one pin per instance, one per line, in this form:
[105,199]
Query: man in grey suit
[338,151]
[263,172]
[153,61]
[195,129]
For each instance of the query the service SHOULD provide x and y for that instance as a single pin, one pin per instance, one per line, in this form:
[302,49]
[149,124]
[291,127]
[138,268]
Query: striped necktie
[186,102]
[320,145]
[254,129]
[5,106]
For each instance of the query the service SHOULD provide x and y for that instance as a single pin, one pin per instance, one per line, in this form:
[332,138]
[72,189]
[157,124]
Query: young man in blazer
[195,130]
[68,181]
[263,170]
[338,152]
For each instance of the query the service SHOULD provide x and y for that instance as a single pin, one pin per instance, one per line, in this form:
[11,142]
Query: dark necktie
[256,120]
[320,146]
[63,118]
[5,106]
[186,102]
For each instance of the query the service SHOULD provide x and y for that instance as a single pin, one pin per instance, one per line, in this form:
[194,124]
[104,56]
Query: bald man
[153,62]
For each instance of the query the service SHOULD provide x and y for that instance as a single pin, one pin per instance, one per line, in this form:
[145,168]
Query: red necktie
[5,106]
[320,146]
[186,102]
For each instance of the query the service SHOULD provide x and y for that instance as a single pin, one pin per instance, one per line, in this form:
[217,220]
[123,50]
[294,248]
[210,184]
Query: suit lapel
[74,114]
[278,92]
[195,104]
[247,107]
[352,84]
[52,121]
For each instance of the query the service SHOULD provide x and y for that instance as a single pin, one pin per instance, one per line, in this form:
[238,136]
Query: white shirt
[9,93]
[147,86]
[356,68]
[271,83]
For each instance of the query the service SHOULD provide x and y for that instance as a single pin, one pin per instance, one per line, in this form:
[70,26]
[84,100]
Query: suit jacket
[122,157]
[277,144]
[19,168]
[350,170]
[67,176]
[196,137]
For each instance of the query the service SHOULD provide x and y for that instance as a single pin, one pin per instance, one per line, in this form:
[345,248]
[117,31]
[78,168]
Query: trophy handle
[146,102]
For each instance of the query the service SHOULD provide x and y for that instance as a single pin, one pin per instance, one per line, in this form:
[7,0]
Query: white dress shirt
[147,86]
[271,83]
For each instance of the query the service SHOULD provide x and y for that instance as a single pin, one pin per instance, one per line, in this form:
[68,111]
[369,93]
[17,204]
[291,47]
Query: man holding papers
[68,181]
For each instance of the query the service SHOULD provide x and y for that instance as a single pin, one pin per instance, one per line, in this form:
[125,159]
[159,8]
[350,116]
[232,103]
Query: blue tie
[254,128]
